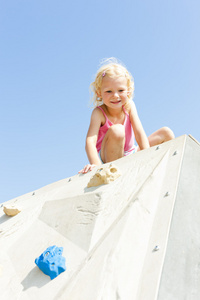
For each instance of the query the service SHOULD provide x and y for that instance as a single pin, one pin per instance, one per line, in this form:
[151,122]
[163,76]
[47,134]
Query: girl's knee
[112,146]
[117,132]
[167,133]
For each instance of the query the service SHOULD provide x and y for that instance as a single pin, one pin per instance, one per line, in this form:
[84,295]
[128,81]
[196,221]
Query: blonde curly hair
[113,68]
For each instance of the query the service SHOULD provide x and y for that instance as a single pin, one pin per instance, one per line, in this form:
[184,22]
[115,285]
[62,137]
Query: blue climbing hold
[51,262]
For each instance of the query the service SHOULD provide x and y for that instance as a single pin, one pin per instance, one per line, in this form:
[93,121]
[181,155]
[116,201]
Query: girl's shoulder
[102,108]
[129,106]
[99,112]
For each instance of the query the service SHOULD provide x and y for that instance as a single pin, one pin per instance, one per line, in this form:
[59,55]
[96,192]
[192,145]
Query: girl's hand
[87,168]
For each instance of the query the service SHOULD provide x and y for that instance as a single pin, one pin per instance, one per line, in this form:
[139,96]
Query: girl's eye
[108,91]
[121,91]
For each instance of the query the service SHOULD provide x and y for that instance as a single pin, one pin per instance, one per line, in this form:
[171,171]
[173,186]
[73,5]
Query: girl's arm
[139,132]
[91,140]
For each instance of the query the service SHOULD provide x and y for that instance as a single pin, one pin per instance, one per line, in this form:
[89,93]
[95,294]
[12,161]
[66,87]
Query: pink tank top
[129,134]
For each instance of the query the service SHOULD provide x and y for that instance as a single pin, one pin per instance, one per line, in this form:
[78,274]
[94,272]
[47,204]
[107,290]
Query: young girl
[114,122]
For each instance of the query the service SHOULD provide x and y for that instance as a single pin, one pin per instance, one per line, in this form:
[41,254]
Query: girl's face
[114,91]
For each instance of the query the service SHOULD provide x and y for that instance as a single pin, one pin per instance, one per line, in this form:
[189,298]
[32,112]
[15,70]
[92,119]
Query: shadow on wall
[4,218]
[35,278]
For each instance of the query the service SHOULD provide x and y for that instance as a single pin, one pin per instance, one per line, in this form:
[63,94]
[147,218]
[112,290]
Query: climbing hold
[51,262]
[11,210]
[104,175]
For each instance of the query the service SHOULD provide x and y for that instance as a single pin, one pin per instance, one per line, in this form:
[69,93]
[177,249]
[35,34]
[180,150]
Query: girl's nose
[116,95]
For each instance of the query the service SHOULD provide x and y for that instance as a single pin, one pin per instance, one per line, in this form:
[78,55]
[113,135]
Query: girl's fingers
[92,167]
[87,168]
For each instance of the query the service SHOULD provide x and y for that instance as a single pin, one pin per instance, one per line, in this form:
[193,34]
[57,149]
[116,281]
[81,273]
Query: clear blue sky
[49,54]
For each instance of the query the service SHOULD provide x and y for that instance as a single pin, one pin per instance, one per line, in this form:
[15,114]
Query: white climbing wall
[118,238]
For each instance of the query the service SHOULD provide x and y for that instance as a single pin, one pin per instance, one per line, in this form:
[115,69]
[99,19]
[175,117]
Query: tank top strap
[125,111]
[103,112]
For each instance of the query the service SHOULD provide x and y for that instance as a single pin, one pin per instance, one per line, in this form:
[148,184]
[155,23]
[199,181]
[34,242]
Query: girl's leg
[160,136]
[112,146]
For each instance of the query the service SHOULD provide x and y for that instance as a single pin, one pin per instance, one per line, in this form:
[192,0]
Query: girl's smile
[116,102]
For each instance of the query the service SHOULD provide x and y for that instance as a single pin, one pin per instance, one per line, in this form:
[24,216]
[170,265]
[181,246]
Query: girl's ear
[98,94]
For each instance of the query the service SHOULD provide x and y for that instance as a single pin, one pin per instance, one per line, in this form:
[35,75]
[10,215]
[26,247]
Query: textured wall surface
[135,238]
